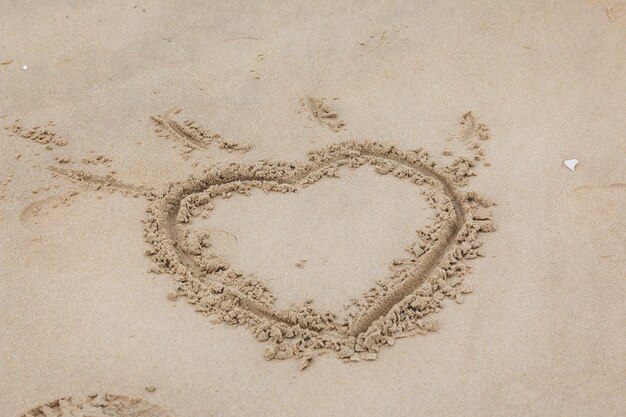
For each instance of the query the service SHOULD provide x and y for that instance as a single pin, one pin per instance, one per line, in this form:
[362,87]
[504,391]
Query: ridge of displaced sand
[98,405]
[98,182]
[42,135]
[191,135]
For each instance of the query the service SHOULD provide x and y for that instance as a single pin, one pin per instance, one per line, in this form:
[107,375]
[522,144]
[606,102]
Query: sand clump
[472,135]
[63,159]
[398,306]
[96,160]
[192,136]
[323,113]
[42,135]
[98,405]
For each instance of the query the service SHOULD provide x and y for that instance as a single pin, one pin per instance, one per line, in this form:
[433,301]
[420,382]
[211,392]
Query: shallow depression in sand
[345,229]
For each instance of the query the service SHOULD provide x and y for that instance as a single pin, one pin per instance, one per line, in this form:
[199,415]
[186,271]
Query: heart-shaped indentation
[396,307]
[327,243]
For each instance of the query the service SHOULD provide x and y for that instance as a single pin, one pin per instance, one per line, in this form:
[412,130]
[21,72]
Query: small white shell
[571,164]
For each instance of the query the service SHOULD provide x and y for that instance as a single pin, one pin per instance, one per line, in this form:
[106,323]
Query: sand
[320,209]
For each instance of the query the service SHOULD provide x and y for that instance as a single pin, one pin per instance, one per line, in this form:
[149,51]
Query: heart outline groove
[398,306]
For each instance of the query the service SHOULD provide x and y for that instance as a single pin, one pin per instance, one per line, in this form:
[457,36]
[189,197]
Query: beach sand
[373,192]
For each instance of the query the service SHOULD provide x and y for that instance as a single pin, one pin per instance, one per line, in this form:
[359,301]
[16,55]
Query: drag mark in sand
[102,182]
[98,405]
[321,111]
[191,135]
[428,261]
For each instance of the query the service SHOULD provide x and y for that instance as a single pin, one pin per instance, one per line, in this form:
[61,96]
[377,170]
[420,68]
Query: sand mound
[98,405]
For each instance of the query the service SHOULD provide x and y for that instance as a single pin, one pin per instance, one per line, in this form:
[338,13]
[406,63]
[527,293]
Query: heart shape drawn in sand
[397,306]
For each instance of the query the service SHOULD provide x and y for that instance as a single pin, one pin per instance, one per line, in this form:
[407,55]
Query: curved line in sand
[426,263]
